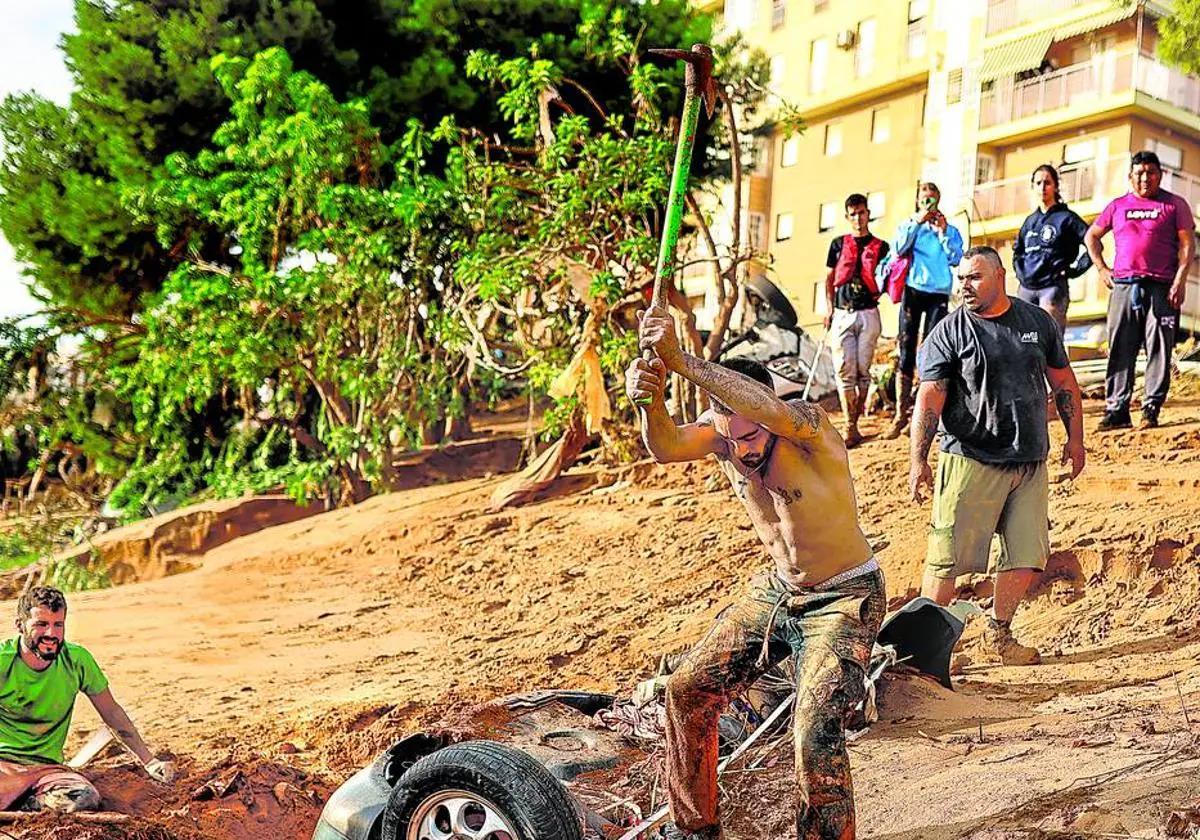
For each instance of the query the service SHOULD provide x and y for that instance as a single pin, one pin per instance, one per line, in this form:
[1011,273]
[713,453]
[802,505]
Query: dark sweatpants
[1151,324]
[913,306]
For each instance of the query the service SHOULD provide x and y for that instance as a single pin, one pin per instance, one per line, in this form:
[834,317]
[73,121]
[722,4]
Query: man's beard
[33,643]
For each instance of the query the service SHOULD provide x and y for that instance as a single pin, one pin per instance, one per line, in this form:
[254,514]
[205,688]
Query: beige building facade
[972,94]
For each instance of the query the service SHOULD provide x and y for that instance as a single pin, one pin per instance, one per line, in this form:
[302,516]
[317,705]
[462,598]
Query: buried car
[544,765]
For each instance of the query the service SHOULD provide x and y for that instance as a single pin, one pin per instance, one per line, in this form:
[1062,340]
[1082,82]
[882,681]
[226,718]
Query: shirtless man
[821,601]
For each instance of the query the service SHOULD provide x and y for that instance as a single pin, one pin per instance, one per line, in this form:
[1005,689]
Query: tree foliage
[334,278]
[1180,33]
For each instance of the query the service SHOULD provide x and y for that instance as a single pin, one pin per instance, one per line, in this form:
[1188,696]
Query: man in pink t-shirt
[1154,233]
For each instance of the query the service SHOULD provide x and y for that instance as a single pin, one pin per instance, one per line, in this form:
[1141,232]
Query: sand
[286,659]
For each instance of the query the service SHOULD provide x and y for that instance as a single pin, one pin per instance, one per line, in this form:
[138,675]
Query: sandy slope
[292,655]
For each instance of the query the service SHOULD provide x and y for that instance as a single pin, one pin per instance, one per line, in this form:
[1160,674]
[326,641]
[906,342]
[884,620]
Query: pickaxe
[700,88]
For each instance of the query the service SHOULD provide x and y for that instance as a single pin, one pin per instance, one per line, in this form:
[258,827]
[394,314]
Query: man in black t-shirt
[984,369]
[852,296]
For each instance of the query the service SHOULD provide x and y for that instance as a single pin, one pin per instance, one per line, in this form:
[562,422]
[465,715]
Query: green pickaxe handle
[700,89]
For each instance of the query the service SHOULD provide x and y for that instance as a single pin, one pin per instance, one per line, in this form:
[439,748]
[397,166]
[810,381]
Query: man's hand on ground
[919,475]
[645,380]
[160,771]
[1076,454]
[657,333]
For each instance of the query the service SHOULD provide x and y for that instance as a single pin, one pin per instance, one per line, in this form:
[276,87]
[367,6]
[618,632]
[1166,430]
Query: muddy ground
[288,658]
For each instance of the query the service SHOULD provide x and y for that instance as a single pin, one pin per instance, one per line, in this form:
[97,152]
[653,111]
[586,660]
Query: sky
[30,60]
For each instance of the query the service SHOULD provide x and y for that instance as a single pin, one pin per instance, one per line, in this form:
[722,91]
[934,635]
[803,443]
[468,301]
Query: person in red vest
[852,295]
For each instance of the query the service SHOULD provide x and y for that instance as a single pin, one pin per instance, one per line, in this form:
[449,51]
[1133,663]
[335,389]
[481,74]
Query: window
[881,125]
[877,204]
[833,139]
[916,45]
[917,9]
[818,59]
[756,232]
[1171,157]
[789,151]
[985,168]
[778,13]
[783,227]
[820,302]
[829,216]
[954,87]
[762,156]
[864,51]
[776,69]
[739,14]
[1079,151]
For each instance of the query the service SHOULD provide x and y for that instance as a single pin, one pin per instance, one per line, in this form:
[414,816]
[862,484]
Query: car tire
[481,780]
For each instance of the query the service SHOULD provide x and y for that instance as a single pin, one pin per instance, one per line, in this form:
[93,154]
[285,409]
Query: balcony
[1013,196]
[1006,14]
[1094,82]
[1087,186]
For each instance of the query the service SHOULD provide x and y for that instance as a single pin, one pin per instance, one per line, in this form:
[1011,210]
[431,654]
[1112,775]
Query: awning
[1016,56]
[1097,21]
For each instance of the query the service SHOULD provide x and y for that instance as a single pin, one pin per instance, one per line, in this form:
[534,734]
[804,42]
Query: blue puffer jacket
[1049,249]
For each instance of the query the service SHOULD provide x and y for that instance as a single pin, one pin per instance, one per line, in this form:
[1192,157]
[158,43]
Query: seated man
[819,603]
[40,675]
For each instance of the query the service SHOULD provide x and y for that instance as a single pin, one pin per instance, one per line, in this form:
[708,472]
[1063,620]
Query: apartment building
[972,94]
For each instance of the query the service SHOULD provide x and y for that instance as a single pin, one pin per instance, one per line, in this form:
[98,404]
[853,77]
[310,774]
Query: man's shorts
[973,500]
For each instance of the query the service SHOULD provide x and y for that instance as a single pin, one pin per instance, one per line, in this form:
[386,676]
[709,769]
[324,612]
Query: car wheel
[480,790]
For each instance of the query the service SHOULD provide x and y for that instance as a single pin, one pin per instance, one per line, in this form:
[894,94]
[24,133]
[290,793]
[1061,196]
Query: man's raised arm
[644,385]
[742,395]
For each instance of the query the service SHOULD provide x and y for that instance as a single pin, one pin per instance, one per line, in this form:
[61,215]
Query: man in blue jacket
[934,246]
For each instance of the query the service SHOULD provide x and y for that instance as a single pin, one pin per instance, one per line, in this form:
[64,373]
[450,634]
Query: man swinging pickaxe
[822,598]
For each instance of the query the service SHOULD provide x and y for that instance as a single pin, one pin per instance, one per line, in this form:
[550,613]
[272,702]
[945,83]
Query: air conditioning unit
[846,39]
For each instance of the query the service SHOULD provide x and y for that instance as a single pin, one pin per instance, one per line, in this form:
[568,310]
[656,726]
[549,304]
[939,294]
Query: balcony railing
[1100,180]
[1005,14]
[1106,74]
[1187,186]
[1077,183]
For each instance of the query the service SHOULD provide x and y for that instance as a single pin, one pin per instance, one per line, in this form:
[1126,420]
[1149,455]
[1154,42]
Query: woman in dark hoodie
[1049,250]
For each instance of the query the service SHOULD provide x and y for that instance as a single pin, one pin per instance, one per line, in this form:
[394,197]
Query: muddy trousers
[1139,314]
[829,634]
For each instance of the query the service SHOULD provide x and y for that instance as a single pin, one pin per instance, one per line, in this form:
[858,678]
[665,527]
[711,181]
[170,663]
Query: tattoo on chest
[790,495]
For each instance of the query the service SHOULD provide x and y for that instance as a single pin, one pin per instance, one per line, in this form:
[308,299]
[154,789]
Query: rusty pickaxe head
[699,77]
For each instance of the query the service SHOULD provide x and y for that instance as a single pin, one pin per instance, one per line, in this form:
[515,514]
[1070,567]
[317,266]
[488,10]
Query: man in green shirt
[40,675]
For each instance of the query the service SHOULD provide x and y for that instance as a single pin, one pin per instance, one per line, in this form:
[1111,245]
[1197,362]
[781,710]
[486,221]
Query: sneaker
[1114,420]
[998,641]
[1149,417]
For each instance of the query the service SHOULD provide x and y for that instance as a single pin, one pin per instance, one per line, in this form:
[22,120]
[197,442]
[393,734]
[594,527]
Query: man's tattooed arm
[753,400]
[931,399]
[1068,400]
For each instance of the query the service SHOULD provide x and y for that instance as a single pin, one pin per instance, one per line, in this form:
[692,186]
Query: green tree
[328,336]
[1180,33]
[143,91]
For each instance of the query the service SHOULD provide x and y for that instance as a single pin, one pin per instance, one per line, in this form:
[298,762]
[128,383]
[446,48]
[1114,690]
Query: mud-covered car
[534,765]
[510,786]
